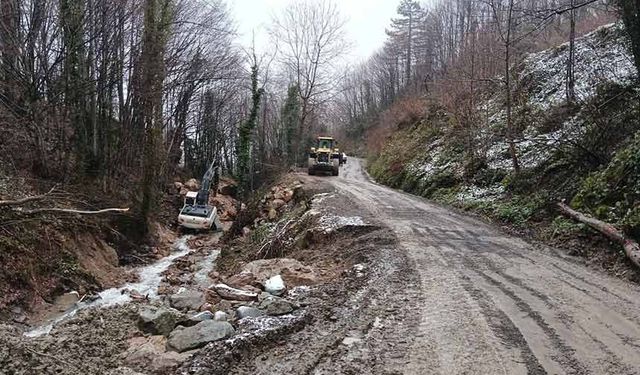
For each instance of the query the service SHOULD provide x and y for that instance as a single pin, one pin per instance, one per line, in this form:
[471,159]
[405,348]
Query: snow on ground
[600,56]
[478,194]
[330,223]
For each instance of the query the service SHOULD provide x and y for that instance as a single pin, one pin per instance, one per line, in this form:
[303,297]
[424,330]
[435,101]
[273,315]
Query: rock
[292,271]
[273,305]
[241,279]
[91,297]
[264,295]
[158,320]
[206,307]
[227,292]
[224,305]
[150,353]
[275,285]
[178,185]
[221,316]
[277,203]
[229,189]
[17,310]
[279,195]
[65,301]
[192,184]
[136,296]
[22,318]
[187,300]
[246,231]
[288,195]
[183,339]
[248,312]
[273,214]
[251,288]
[183,191]
[202,316]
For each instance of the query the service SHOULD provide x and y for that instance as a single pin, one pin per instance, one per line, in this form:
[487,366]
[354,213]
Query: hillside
[585,153]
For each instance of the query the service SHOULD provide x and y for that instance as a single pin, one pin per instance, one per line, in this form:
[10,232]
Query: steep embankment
[585,153]
[44,255]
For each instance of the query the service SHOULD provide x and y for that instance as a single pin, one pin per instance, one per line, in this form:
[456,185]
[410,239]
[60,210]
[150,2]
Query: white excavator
[197,213]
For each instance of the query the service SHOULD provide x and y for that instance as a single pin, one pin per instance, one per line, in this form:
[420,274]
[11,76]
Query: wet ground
[454,295]
[415,289]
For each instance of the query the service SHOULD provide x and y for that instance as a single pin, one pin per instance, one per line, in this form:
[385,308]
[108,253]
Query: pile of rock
[224,200]
[276,199]
[182,332]
[194,318]
[184,188]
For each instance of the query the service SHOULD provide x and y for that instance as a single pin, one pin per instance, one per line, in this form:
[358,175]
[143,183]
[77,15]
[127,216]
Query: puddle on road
[149,279]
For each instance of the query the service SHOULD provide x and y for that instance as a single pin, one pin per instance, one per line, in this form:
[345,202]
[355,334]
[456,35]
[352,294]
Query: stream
[147,285]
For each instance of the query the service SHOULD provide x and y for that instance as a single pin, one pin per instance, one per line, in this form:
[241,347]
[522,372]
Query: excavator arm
[212,175]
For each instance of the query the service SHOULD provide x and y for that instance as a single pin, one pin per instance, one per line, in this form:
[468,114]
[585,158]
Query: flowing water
[147,285]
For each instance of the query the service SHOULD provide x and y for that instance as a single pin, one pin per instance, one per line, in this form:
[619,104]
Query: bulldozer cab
[326,143]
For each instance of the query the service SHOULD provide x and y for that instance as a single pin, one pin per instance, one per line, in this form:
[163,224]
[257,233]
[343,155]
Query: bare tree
[312,39]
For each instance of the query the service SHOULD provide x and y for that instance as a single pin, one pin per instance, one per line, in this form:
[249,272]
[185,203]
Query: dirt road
[490,303]
[445,293]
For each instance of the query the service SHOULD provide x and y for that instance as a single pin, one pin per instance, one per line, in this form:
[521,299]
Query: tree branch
[70,211]
[22,201]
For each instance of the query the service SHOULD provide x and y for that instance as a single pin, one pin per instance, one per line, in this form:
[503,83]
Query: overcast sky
[367,20]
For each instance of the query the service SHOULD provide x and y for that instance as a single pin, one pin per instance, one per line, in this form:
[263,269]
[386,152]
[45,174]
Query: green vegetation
[613,193]
[427,160]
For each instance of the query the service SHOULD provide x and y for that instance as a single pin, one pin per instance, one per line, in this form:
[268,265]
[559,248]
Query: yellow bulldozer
[324,157]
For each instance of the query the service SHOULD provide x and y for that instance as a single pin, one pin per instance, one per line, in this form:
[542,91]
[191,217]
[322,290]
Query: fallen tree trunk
[631,248]
[21,201]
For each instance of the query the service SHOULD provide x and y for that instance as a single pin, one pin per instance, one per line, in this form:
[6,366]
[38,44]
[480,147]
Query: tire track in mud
[558,315]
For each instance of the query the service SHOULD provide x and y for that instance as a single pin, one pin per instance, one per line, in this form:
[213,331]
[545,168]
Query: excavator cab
[190,198]
[197,213]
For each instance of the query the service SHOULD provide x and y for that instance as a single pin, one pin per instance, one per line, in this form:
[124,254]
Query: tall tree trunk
[10,43]
[157,19]
[507,73]
[571,83]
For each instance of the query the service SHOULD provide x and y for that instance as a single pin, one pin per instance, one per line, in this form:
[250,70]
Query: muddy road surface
[404,286]
[489,303]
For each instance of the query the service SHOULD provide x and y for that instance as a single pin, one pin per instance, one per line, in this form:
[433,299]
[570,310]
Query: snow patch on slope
[600,56]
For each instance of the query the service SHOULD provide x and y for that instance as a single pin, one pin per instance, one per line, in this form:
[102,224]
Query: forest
[164,207]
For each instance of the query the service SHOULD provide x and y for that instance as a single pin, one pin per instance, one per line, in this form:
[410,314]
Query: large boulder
[229,188]
[241,279]
[275,285]
[292,271]
[288,195]
[277,203]
[221,316]
[227,292]
[192,185]
[183,339]
[201,316]
[187,300]
[158,320]
[150,353]
[273,305]
[227,206]
[248,312]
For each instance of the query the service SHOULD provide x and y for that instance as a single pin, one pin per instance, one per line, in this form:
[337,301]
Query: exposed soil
[405,287]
